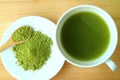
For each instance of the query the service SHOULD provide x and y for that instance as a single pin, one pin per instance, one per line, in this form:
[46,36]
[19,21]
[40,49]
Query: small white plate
[54,63]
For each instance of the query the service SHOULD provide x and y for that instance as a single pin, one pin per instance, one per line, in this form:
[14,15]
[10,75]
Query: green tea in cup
[87,36]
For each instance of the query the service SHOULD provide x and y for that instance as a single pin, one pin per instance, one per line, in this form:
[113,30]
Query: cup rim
[58,42]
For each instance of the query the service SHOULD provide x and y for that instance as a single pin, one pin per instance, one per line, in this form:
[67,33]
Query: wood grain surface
[10,10]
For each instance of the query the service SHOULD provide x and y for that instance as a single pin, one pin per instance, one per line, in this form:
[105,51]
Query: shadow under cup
[112,29]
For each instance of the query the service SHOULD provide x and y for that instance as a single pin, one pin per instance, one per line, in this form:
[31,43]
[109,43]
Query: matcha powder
[22,34]
[34,53]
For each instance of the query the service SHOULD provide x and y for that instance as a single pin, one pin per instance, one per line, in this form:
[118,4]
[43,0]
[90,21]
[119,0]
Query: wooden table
[10,10]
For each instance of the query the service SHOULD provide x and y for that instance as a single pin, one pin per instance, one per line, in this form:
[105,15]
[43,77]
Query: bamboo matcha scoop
[20,36]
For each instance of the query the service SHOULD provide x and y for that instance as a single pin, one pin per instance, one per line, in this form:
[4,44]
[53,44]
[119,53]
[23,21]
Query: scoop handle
[111,64]
[6,45]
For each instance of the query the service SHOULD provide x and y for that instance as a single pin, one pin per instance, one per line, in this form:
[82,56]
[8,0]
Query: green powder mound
[22,33]
[34,53]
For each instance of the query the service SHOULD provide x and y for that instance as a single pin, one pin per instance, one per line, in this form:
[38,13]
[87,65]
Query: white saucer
[54,63]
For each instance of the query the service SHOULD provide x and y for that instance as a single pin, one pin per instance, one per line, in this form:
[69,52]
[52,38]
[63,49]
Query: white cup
[105,58]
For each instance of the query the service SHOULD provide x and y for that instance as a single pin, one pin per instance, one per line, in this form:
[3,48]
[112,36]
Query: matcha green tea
[85,36]
[33,53]
[23,33]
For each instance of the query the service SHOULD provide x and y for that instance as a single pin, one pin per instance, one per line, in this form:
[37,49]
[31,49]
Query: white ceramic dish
[52,66]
